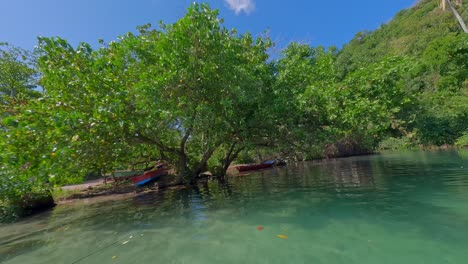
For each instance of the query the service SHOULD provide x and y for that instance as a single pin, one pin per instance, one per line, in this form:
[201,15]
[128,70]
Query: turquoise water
[391,208]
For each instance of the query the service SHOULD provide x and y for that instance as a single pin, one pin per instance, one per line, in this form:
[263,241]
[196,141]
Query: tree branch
[184,140]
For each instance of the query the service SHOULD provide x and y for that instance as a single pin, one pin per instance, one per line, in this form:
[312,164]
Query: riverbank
[108,193]
[100,188]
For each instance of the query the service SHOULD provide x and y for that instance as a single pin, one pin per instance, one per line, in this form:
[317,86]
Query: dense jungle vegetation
[200,96]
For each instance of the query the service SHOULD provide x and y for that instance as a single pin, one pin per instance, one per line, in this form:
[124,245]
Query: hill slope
[435,42]
[410,32]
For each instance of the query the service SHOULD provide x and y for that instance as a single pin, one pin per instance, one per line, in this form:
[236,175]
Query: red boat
[254,167]
[148,176]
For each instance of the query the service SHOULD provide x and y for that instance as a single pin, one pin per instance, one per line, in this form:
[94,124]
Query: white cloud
[238,6]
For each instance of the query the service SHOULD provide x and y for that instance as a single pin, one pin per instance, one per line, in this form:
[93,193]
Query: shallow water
[392,208]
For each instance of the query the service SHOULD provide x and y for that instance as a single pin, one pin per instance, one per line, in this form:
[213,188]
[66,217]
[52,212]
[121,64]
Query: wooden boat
[124,175]
[149,176]
[120,176]
[254,167]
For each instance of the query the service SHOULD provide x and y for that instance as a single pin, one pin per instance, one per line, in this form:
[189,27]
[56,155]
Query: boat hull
[254,167]
[148,177]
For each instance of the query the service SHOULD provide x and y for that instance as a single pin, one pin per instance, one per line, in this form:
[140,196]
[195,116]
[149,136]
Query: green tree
[305,85]
[17,90]
[374,99]
[17,74]
[180,93]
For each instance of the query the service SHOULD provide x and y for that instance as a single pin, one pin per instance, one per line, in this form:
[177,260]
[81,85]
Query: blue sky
[315,22]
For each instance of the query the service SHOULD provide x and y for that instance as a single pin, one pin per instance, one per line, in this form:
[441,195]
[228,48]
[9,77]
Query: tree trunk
[226,163]
[228,159]
[202,166]
[183,171]
[457,16]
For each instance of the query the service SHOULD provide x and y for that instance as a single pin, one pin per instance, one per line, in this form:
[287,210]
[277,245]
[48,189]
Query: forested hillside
[414,32]
[434,41]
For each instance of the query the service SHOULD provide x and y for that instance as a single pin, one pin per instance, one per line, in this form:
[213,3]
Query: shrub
[393,143]
[462,141]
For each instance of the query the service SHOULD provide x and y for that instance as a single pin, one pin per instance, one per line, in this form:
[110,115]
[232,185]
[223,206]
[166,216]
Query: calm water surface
[391,208]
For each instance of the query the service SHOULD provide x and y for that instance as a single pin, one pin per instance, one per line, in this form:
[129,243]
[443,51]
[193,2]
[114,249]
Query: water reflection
[424,195]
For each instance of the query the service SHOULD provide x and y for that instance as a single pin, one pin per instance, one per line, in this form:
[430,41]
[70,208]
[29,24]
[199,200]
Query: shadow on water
[399,191]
